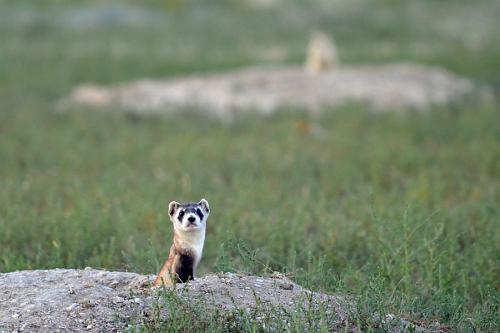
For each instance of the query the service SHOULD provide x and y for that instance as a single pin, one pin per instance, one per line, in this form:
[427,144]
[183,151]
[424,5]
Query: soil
[92,300]
[264,90]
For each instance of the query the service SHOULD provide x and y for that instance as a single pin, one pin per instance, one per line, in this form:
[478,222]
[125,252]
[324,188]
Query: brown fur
[179,266]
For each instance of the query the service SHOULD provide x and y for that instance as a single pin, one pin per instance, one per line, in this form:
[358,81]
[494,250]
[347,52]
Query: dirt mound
[266,89]
[96,300]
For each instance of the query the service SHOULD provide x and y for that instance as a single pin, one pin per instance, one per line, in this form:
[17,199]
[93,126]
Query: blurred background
[399,207]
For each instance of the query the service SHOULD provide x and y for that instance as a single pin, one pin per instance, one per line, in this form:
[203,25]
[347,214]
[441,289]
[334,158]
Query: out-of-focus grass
[48,46]
[400,209]
[407,201]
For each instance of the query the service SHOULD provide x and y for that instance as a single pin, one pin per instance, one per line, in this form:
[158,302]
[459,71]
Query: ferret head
[189,216]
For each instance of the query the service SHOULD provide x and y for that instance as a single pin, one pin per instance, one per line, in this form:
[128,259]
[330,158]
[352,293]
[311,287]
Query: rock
[267,89]
[111,301]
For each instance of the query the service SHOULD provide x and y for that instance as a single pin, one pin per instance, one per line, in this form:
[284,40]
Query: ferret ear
[172,208]
[204,204]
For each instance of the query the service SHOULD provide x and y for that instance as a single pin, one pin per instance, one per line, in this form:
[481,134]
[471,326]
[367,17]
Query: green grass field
[400,209]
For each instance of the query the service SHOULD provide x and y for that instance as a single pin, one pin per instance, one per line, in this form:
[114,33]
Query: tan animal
[189,220]
[321,54]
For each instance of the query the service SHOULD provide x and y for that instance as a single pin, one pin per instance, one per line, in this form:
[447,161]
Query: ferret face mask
[189,216]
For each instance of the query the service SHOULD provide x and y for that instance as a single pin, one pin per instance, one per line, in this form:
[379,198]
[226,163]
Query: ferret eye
[181,214]
[199,213]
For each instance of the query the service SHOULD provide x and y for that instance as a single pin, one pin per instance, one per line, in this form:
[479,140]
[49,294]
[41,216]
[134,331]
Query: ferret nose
[191,219]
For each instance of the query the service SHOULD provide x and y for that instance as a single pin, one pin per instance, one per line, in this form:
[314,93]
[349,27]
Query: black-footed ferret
[189,220]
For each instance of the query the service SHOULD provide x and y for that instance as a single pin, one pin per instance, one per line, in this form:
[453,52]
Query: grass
[192,316]
[398,209]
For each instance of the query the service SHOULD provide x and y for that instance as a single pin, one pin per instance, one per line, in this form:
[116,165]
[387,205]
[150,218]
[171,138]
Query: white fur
[192,237]
[195,241]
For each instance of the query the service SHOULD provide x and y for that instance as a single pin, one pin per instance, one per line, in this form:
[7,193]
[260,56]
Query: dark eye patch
[180,216]
[199,213]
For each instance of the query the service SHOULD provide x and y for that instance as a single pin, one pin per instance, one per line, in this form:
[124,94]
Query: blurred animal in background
[321,53]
